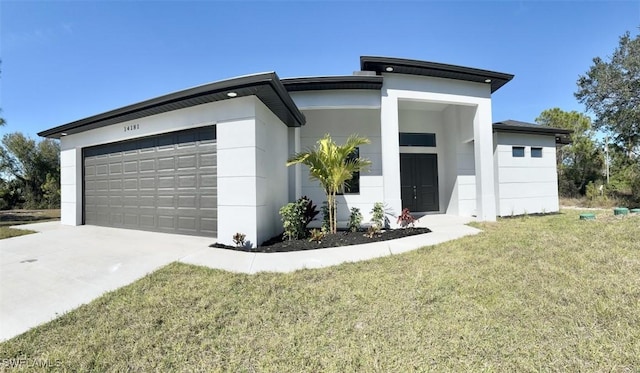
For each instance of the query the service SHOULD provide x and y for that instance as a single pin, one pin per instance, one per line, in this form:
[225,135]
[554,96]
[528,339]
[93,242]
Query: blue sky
[63,61]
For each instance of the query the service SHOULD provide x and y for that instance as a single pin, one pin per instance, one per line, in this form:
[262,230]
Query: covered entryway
[165,183]
[419,182]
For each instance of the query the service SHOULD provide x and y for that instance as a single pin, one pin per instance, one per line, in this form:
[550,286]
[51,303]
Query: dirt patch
[344,238]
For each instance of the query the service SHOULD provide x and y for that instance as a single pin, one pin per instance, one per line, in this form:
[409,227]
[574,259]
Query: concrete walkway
[46,274]
[444,228]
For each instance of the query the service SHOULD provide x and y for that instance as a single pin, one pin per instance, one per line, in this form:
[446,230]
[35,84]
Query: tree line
[29,172]
[603,158]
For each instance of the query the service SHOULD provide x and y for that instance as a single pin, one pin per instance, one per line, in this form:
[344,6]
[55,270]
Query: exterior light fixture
[63,134]
[232,94]
[487,80]
[389,69]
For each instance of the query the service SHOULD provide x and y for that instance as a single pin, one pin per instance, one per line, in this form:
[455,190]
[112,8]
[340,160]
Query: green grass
[18,217]
[545,293]
[6,232]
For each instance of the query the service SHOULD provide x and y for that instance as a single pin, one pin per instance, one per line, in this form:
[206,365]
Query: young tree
[332,166]
[611,90]
[2,122]
[579,162]
[34,167]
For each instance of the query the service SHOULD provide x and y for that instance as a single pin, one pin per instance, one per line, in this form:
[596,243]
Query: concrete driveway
[46,274]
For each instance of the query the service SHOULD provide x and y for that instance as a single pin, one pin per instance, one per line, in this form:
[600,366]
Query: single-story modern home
[210,160]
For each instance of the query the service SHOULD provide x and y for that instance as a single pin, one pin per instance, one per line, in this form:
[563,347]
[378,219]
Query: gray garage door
[163,183]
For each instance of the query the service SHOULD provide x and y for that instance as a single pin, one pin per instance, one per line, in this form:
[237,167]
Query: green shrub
[355,219]
[378,218]
[296,216]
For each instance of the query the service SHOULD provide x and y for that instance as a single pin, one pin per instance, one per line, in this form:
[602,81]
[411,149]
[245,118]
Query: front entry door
[419,182]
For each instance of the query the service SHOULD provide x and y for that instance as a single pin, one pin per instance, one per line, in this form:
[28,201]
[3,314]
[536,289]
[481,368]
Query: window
[536,152]
[517,151]
[353,186]
[417,139]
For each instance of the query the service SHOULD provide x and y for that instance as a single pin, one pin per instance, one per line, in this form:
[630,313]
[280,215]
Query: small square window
[536,152]
[517,151]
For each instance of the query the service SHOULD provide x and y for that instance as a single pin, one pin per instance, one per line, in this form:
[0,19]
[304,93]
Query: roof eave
[217,91]
[319,83]
[426,68]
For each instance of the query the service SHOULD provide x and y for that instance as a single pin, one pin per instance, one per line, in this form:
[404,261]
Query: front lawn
[545,293]
[18,217]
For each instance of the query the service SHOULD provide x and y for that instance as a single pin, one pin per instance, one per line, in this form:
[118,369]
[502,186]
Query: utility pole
[606,156]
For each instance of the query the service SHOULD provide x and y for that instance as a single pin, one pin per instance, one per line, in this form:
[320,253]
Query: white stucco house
[210,160]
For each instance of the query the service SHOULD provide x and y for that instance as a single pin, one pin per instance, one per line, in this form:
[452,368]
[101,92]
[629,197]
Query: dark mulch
[342,238]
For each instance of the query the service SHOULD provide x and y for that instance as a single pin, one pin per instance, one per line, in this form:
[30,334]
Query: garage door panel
[166,163]
[147,183]
[116,219]
[186,162]
[166,201]
[147,201]
[207,181]
[130,184]
[115,184]
[130,166]
[187,202]
[187,181]
[207,160]
[147,221]
[164,183]
[102,169]
[208,202]
[166,221]
[187,222]
[208,226]
[130,220]
[90,170]
[147,165]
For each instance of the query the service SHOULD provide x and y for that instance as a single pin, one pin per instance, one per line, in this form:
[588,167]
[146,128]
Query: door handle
[415,194]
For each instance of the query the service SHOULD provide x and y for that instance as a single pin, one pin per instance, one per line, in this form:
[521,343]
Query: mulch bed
[342,238]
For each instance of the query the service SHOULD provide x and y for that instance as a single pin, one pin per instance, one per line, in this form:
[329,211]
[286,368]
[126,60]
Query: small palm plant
[332,166]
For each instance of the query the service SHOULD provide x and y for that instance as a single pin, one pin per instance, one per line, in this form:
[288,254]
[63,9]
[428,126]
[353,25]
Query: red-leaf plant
[406,219]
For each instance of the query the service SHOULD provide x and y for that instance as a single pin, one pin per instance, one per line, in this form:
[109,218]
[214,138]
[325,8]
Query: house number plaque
[131,127]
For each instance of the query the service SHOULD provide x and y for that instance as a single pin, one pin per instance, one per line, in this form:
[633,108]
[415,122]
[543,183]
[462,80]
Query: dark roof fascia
[266,86]
[321,83]
[434,69]
[511,126]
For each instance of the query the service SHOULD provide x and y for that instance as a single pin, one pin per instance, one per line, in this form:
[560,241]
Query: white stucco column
[237,184]
[390,152]
[483,153]
[295,174]
[70,185]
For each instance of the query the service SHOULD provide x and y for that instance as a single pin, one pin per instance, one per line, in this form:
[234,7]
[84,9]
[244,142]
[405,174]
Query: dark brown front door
[419,182]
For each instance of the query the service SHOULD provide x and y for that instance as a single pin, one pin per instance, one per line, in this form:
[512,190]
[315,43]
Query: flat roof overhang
[438,70]
[322,83]
[266,86]
[563,136]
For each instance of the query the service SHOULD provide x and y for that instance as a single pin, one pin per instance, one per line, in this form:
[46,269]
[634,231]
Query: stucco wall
[525,185]
[71,146]
[340,123]
[473,159]
[271,173]
[252,151]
